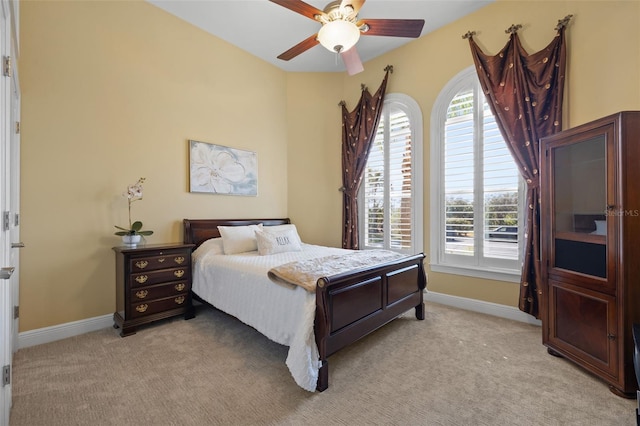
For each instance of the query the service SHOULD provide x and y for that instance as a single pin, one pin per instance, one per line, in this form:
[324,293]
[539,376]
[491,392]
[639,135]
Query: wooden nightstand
[153,282]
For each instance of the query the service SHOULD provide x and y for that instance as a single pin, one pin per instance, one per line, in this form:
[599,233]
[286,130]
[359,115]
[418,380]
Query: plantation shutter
[459,170]
[500,189]
[388,185]
[481,189]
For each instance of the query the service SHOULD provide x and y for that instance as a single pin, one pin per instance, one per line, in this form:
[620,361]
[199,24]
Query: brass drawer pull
[161,260]
[180,286]
[179,300]
[141,294]
[179,260]
[141,264]
[142,278]
[179,273]
[142,308]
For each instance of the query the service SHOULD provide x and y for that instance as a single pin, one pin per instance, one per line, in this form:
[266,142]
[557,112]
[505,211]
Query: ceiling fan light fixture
[338,36]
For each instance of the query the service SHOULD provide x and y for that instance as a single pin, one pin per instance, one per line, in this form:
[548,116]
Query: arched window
[476,190]
[390,197]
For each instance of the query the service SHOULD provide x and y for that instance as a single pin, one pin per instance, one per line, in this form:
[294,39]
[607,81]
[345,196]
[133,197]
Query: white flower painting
[222,170]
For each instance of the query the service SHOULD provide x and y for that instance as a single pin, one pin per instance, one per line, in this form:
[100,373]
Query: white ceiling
[266,29]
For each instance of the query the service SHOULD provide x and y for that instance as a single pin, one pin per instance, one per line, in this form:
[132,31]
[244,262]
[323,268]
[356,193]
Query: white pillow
[212,245]
[239,239]
[277,242]
[601,227]
[280,228]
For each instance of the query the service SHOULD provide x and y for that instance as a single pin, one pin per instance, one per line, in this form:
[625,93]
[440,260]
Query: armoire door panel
[585,323]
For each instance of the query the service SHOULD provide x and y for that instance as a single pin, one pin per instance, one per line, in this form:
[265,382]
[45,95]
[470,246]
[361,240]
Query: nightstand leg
[127,331]
[119,322]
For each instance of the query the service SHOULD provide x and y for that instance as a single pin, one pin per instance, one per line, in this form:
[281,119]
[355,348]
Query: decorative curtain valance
[525,94]
[358,132]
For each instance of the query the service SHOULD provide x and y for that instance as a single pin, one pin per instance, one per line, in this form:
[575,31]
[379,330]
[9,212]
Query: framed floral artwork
[218,169]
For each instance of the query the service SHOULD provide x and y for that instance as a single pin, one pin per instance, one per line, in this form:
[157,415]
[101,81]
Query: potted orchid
[131,236]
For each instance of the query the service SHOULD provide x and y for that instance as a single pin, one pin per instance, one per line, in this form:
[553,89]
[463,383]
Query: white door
[6,295]
[9,202]
[14,201]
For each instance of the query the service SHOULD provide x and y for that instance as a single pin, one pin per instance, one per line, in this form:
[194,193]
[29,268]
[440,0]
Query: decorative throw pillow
[280,228]
[277,242]
[239,239]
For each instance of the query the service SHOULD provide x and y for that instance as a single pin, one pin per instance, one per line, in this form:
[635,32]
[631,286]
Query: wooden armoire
[590,231]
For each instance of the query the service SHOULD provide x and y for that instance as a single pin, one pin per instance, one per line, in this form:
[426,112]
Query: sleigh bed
[342,308]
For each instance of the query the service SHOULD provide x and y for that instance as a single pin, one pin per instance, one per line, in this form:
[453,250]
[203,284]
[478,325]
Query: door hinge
[17,127]
[5,220]
[16,312]
[6,375]
[6,66]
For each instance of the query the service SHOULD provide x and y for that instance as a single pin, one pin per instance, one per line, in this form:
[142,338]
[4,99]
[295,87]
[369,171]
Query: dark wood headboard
[196,231]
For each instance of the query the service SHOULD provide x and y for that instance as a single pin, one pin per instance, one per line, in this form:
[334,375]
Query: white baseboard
[75,328]
[62,331]
[475,305]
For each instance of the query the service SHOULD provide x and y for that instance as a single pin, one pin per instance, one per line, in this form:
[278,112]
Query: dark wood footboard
[349,306]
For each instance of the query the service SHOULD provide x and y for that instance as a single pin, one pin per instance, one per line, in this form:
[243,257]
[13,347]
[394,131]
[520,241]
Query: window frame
[411,108]
[439,261]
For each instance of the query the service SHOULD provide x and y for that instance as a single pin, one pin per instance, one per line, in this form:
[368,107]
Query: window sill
[486,273]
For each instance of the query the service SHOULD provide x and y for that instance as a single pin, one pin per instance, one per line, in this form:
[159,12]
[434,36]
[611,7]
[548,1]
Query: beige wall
[112,91]
[315,144]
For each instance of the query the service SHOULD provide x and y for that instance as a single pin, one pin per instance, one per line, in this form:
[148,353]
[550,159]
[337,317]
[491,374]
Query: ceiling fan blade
[393,27]
[352,61]
[300,7]
[299,48]
[356,4]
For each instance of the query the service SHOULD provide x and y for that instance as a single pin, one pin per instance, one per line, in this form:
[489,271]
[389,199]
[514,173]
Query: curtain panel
[358,132]
[525,94]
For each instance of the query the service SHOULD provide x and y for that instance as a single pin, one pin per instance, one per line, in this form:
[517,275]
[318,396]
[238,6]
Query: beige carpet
[454,368]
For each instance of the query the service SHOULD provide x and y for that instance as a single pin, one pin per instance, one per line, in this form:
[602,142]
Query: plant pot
[131,240]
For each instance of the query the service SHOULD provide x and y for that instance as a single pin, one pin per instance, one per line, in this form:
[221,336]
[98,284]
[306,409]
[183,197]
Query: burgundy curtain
[358,132]
[525,94]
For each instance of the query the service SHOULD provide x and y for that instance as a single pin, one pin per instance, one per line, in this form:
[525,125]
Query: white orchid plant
[133,193]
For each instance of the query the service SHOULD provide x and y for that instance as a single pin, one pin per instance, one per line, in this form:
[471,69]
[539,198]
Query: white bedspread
[238,285]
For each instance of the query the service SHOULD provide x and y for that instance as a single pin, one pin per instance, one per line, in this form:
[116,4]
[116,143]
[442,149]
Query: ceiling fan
[341,29]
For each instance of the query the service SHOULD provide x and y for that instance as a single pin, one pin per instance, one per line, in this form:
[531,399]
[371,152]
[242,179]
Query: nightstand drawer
[159,291]
[161,276]
[167,260]
[142,309]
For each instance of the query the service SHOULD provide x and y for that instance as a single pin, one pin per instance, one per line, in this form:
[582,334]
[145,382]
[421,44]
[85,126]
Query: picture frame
[219,169]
